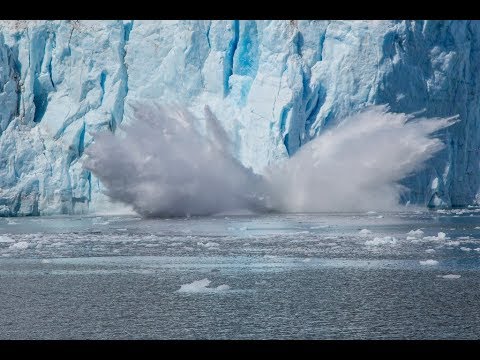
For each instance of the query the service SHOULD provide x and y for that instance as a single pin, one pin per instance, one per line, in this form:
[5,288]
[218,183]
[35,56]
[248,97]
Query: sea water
[368,275]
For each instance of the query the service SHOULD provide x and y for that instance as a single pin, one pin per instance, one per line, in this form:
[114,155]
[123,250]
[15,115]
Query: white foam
[429,262]
[430,251]
[465,249]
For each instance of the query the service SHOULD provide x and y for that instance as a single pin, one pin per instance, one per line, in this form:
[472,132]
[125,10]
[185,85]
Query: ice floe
[21,245]
[440,236]
[429,262]
[5,239]
[201,286]
[450,276]
[417,232]
[386,240]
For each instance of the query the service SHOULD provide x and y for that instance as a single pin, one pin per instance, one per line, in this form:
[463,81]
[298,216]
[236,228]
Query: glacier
[274,85]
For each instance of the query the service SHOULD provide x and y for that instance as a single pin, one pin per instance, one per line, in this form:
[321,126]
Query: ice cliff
[274,85]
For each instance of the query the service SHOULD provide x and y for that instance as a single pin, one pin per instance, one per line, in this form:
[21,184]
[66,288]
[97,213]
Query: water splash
[166,164]
[356,166]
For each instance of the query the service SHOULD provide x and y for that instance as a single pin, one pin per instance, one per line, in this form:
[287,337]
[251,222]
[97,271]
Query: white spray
[164,166]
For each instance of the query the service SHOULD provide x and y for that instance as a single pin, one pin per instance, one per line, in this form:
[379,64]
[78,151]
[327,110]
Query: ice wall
[273,84]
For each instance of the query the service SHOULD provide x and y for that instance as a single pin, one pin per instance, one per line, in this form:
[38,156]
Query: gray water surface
[297,276]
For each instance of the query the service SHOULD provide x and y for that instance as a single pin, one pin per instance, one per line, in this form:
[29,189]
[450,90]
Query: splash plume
[168,165]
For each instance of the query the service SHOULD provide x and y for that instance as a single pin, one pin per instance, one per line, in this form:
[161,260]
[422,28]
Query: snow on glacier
[275,85]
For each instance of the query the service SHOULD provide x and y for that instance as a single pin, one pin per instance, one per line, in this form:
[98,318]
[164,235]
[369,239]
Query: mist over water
[169,163]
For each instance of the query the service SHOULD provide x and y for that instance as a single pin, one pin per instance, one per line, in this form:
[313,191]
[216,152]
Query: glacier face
[274,85]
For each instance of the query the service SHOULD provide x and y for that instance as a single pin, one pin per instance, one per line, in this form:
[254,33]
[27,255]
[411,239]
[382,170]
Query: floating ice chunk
[452,243]
[11,222]
[429,262]
[430,251]
[199,286]
[364,232]
[477,249]
[261,282]
[371,212]
[196,286]
[222,287]
[5,239]
[21,245]
[319,227]
[450,276]
[380,217]
[102,223]
[415,232]
[463,248]
[387,240]
[463,237]
[175,244]
[45,261]
[440,236]
[477,227]
[208,244]
[59,243]
[212,244]
[307,260]
[411,238]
